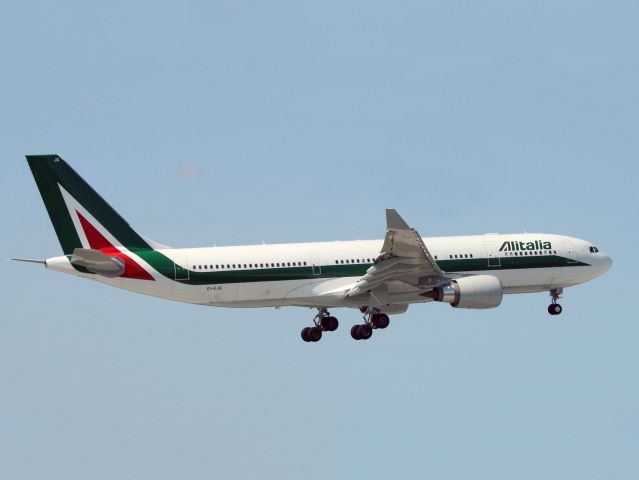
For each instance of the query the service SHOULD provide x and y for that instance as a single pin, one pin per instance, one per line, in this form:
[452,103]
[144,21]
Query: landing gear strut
[554,308]
[373,319]
[323,322]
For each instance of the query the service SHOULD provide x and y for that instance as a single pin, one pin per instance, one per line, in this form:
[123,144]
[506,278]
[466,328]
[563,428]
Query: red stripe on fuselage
[97,241]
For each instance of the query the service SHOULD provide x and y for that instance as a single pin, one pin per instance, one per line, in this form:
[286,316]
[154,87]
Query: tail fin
[80,216]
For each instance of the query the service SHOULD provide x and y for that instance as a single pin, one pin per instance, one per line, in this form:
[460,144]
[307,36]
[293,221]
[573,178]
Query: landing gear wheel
[323,322]
[329,324]
[554,309]
[380,320]
[305,334]
[354,333]
[311,334]
[364,332]
[314,334]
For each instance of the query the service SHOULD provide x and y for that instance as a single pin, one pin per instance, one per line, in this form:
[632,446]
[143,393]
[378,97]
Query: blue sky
[241,122]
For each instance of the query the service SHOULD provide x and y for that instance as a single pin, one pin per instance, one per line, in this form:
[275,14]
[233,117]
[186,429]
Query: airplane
[378,277]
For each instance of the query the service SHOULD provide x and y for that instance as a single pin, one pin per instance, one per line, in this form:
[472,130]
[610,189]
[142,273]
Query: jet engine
[476,291]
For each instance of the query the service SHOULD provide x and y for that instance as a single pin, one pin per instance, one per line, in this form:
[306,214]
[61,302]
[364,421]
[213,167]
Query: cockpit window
[594,250]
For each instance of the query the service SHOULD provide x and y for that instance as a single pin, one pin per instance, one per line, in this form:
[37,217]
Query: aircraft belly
[539,279]
[524,277]
[283,293]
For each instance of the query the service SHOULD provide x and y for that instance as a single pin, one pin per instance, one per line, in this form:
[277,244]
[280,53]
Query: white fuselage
[319,274]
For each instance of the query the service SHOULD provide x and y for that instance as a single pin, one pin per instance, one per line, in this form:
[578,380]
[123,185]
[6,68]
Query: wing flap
[404,258]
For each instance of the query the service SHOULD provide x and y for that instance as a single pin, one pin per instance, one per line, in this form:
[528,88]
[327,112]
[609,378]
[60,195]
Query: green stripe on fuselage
[166,267]
[507,263]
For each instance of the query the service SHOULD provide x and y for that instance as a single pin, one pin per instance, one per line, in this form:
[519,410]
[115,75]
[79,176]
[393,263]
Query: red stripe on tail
[97,241]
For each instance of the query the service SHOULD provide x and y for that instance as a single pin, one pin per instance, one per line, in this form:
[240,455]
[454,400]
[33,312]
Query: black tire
[354,333]
[314,334]
[364,332]
[381,320]
[554,309]
[305,334]
[330,324]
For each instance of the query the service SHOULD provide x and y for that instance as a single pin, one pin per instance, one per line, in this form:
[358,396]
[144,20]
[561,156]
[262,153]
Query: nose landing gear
[323,323]
[554,308]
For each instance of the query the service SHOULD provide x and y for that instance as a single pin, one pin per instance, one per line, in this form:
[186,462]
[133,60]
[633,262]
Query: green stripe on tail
[49,171]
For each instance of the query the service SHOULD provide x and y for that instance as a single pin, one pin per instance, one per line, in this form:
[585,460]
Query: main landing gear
[323,322]
[372,320]
[554,308]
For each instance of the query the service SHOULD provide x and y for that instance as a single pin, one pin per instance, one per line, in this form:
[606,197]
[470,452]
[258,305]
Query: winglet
[394,221]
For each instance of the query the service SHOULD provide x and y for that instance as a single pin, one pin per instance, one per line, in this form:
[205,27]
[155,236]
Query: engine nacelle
[476,291]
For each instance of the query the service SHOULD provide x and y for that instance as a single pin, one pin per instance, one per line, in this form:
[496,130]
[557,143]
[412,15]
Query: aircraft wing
[404,263]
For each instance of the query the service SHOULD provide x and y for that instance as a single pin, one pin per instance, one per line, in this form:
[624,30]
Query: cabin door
[181,266]
[317,268]
[494,260]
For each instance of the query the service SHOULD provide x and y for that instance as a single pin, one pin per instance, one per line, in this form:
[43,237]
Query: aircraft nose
[606,263]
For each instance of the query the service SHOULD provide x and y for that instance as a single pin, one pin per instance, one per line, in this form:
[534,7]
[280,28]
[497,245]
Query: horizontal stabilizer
[97,262]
